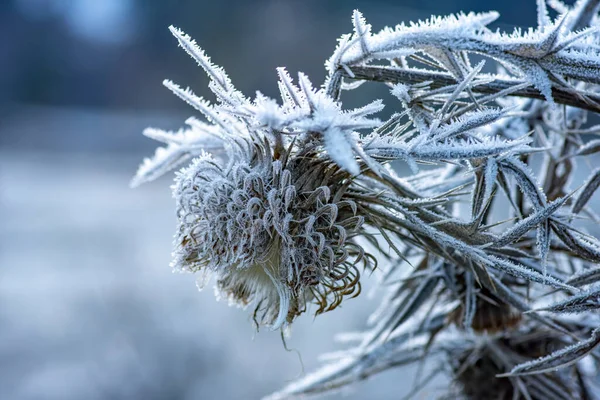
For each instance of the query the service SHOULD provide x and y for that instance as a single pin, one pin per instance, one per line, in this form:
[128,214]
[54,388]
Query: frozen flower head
[276,231]
[274,218]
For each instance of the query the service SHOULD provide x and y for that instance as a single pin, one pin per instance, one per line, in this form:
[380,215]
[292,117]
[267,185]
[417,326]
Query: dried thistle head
[275,233]
[274,215]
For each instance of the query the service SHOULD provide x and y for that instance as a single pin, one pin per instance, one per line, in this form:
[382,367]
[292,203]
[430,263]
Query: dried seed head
[274,236]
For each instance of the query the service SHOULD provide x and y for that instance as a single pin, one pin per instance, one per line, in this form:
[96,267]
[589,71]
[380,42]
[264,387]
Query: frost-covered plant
[296,199]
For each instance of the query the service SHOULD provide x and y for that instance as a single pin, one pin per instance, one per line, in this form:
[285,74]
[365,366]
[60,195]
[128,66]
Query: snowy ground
[89,308]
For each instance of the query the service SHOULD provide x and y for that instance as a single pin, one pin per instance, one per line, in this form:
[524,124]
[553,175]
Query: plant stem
[586,101]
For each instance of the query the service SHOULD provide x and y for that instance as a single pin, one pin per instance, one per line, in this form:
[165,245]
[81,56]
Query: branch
[587,101]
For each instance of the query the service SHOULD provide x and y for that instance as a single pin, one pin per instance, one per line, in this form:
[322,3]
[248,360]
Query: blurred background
[89,308]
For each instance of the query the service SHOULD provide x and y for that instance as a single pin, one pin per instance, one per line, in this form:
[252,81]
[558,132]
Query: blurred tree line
[50,55]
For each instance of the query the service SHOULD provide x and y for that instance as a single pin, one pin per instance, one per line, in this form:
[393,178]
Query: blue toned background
[89,308]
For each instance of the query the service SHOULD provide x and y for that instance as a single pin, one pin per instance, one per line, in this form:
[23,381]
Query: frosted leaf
[340,150]
[558,6]
[585,277]
[559,359]
[459,149]
[362,154]
[165,159]
[572,63]
[524,226]
[402,92]
[291,95]
[589,188]
[362,30]
[584,246]
[525,180]
[521,271]
[549,39]
[371,108]
[410,304]
[181,147]
[350,369]
[542,13]
[543,243]
[344,42]
[269,114]
[223,87]
[572,38]
[470,306]
[581,302]
[491,173]
[582,14]
[463,85]
[201,105]
[467,122]
[538,77]
[189,45]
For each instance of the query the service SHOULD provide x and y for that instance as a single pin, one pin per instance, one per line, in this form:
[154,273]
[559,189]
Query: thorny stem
[586,101]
